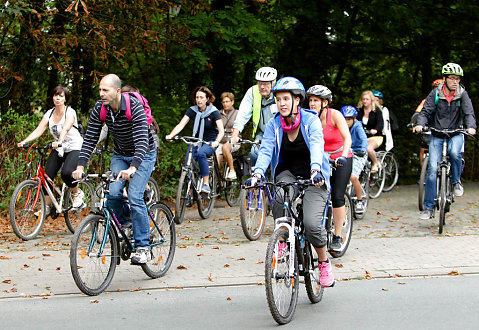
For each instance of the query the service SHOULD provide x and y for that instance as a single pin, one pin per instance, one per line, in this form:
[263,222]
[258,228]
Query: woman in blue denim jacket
[294,146]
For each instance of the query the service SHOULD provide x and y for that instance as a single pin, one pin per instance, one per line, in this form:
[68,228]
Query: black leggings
[69,162]
[339,181]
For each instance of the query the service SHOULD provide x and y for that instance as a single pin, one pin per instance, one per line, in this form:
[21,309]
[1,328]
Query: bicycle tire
[232,192]
[155,192]
[391,170]
[376,183]
[162,244]
[347,228]
[182,196]
[206,202]
[74,216]
[442,199]
[364,180]
[311,280]
[422,183]
[23,206]
[252,219]
[281,287]
[91,270]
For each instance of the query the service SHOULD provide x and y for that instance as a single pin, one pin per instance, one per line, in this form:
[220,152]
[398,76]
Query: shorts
[378,139]
[234,148]
[358,164]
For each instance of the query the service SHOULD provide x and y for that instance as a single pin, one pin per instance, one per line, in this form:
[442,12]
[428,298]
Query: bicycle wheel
[347,228]
[442,199]
[232,192]
[27,210]
[93,263]
[391,170]
[364,180]
[422,183]
[162,241]
[252,213]
[152,193]
[376,183]
[206,202]
[183,196]
[73,216]
[281,285]
[311,280]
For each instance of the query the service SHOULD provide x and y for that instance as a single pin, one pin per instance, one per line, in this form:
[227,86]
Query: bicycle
[254,207]
[422,181]
[377,179]
[288,256]
[390,166]
[101,242]
[28,206]
[364,180]
[444,196]
[189,186]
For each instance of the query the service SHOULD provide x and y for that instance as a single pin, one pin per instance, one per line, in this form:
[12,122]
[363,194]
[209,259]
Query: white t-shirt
[73,139]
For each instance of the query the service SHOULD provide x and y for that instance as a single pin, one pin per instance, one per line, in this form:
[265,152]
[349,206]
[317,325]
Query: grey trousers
[314,206]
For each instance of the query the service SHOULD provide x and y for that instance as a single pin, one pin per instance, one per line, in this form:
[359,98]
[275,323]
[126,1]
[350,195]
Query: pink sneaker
[326,270]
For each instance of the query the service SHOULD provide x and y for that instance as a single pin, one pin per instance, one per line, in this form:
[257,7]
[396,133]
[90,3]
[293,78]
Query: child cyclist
[359,146]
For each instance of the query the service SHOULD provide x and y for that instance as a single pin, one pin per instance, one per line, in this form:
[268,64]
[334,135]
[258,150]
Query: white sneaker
[48,210]
[426,214]
[77,199]
[142,255]
[231,175]
[458,189]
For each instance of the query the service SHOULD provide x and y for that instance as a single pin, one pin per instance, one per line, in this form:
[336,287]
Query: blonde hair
[228,95]
[374,103]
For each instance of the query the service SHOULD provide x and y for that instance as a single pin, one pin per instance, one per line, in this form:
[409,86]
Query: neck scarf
[200,119]
[288,128]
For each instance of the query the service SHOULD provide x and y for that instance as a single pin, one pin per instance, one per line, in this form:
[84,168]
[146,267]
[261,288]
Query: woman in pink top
[337,142]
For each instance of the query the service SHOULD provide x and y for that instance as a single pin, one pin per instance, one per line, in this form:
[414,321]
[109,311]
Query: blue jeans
[435,155]
[201,155]
[136,189]
[253,154]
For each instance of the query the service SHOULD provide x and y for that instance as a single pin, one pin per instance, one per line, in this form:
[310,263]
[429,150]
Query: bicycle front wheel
[162,240]
[280,281]
[183,196]
[376,183]
[73,216]
[347,228]
[252,213]
[422,183]
[93,255]
[391,170]
[442,200]
[152,192]
[27,209]
[206,202]
[311,280]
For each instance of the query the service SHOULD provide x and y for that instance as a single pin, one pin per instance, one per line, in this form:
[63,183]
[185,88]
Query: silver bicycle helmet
[320,91]
[266,73]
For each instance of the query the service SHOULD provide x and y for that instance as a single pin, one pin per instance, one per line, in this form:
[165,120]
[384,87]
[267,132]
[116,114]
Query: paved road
[390,242]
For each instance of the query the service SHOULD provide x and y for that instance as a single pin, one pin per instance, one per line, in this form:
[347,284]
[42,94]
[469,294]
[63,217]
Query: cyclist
[369,113]
[60,120]
[359,145]
[387,120]
[293,144]
[258,103]
[228,116]
[134,153]
[337,144]
[453,109]
[425,136]
[208,126]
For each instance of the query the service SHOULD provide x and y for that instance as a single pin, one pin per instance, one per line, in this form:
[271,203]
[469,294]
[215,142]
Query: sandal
[375,167]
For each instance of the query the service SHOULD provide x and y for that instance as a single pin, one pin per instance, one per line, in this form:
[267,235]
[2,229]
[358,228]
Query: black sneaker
[336,243]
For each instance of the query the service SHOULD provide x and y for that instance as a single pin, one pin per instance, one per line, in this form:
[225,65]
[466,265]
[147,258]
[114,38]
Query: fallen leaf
[25,266]
[401,283]
[241,259]
[378,213]
[7,281]
[94,301]
[224,237]
[199,255]
[384,289]
[199,245]
[338,265]
[14,289]
[209,278]
[46,255]
[454,273]
[226,265]
[45,294]
[182,246]
[31,257]
[260,262]
[58,268]
[5,258]
[228,298]
[40,269]
[181,267]
[260,283]
[137,289]
[215,247]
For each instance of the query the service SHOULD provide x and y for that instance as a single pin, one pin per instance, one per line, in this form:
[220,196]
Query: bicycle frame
[444,163]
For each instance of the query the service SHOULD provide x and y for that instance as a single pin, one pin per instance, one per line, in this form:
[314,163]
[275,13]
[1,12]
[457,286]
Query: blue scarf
[200,119]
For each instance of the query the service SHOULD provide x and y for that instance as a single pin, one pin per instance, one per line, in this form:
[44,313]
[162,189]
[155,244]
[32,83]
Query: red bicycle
[27,204]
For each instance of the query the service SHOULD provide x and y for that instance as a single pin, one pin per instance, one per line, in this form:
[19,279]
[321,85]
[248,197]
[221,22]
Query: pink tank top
[332,138]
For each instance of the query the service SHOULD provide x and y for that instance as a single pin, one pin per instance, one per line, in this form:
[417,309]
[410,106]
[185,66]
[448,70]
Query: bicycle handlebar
[34,146]
[190,140]
[446,131]
[249,141]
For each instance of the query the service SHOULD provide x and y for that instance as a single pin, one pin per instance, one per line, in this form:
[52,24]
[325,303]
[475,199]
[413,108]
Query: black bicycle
[101,241]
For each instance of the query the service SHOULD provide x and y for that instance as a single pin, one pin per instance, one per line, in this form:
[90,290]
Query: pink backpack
[139,97]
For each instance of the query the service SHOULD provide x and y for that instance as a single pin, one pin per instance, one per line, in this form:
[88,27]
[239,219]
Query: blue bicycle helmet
[349,111]
[378,94]
[290,84]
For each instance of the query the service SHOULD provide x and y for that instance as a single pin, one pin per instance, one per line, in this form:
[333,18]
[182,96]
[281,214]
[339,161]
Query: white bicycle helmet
[266,73]
[320,91]
[452,68]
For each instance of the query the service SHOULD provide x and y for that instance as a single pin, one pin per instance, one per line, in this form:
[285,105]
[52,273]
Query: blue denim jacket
[358,137]
[312,131]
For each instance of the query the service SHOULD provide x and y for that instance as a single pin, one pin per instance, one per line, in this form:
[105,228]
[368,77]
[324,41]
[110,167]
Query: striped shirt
[130,138]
